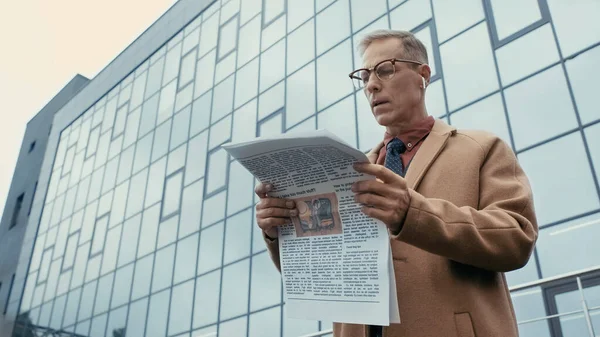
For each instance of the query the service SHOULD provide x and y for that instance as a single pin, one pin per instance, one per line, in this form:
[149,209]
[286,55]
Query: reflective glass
[234,328]
[172,195]
[185,259]
[93,269]
[50,283]
[528,54]
[272,9]
[195,166]
[265,284]
[117,322]
[453,17]
[211,248]
[249,44]
[576,240]
[409,14]
[92,142]
[273,33]
[201,113]
[142,277]
[109,115]
[125,164]
[109,261]
[158,314]
[479,60]
[191,208]
[136,320]
[340,118]
[332,75]
[137,190]
[110,176]
[71,248]
[244,122]
[229,9]
[172,62]
[157,174]
[576,25]
[122,287]
[382,23]
[115,147]
[487,115]
[154,77]
[509,21]
[182,302]
[321,4]
[238,231]
[193,38]
[149,111]
[425,36]
[544,97]
[139,85]
[208,34]
[176,159]
[570,301]
[592,135]
[300,95]
[234,297]
[271,100]
[220,132]
[528,273]
[249,8]
[103,295]
[204,74]
[81,196]
[167,232]
[184,98]
[260,320]
[149,230]
[307,125]
[571,195]
[435,100]
[364,12]
[71,309]
[207,299]
[131,131]
[228,37]
[129,240]
[225,67]
[301,46]
[58,312]
[272,65]
[337,15]
[187,71]
[120,118]
[163,268]
[271,126]
[98,327]
[78,269]
[125,93]
[297,13]
[583,72]
[217,167]
[223,99]
[240,187]
[298,327]
[529,304]
[60,247]
[99,235]
[117,212]
[246,85]
[86,305]
[167,102]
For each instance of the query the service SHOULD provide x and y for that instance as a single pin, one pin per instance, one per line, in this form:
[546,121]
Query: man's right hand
[272,212]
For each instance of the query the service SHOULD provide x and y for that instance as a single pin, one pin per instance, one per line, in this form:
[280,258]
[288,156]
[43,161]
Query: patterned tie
[392,157]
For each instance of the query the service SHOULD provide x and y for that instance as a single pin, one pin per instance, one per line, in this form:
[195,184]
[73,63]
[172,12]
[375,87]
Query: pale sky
[45,44]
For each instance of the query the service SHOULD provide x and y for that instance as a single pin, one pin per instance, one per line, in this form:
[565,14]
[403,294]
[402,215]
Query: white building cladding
[145,224]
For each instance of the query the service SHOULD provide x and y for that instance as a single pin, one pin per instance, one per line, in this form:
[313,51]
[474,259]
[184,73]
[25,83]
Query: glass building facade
[147,226]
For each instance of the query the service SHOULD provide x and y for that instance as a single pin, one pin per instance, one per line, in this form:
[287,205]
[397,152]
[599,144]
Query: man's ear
[425,72]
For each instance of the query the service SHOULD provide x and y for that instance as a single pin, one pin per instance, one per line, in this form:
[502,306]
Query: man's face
[393,100]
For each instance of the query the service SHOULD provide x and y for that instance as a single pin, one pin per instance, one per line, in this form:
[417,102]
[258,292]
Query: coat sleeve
[273,247]
[499,235]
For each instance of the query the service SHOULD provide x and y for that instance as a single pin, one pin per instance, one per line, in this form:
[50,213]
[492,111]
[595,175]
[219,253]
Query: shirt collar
[413,134]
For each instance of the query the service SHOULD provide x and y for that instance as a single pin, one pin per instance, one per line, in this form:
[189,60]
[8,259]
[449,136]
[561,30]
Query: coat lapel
[428,152]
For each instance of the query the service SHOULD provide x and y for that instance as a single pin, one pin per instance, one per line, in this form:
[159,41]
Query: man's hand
[374,153]
[272,212]
[386,198]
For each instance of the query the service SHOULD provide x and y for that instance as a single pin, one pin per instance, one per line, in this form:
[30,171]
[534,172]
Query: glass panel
[220,132]
[435,100]
[273,33]
[167,232]
[93,268]
[217,167]
[272,8]
[139,86]
[142,278]
[201,113]
[271,100]
[129,240]
[266,283]
[337,15]
[363,13]
[244,122]
[115,147]
[571,20]
[163,268]
[185,259]
[234,328]
[58,312]
[87,301]
[103,296]
[191,208]
[451,17]
[300,96]
[133,123]
[205,70]
[487,115]
[137,318]
[509,21]
[369,131]
[225,67]
[51,283]
[529,273]
[223,99]
[332,74]
[272,126]
[340,120]
[120,119]
[307,125]
[149,230]
[180,318]
[298,13]
[246,86]
[125,165]
[78,269]
[110,176]
[544,97]
[187,71]
[298,327]
[122,287]
[425,36]
[93,142]
[260,320]
[249,41]
[211,248]
[158,314]
[196,164]
[409,14]
[272,65]
[118,209]
[99,235]
[529,304]
[301,46]
[69,258]
[238,232]
[215,203]
[536,51]
[181,126]
[172,64]
[161,140]
[135,199]
[116,322]
[167,102]
[479,60]
[172,198]
[149,112]
[228,37]
[592,135]
[71,309]
[98,326]
[571,195]
[234,300]
[207,299]
[96,184]
[154,191]
[176,159]
[209,33]
[583,72]
[240,187]
[573,325]
[573,238]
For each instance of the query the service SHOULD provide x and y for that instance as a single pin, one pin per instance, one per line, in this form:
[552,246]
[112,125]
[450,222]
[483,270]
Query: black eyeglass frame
[353,76]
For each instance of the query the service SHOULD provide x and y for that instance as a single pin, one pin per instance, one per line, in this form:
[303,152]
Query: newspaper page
[336,262]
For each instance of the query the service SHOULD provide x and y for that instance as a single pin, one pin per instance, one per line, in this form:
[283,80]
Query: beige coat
[471,218]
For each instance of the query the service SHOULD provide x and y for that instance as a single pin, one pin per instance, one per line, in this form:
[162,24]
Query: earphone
[424,84]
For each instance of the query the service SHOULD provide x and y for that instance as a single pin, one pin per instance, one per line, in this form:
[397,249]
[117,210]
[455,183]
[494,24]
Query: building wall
[147,224]
[24,186]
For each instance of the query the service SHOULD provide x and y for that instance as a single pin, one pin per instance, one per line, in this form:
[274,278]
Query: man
[457,205]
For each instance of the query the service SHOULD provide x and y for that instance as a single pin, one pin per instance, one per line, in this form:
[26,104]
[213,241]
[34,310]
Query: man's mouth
[377,103]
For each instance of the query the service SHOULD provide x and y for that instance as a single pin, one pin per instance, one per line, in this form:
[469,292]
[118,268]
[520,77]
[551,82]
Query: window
[17,210]
[207,299]
[228,37]
[31,146]
[300,96]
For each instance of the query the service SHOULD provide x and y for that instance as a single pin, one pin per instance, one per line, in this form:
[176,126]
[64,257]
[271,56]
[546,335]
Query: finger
[375,187]
[377,213]
[269,223]
[374,200]
[374,153]
[262,189]
[273,212]
[275,203]
[378,171]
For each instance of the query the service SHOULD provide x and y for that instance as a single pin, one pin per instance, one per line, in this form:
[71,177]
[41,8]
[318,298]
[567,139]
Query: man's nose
[373,84]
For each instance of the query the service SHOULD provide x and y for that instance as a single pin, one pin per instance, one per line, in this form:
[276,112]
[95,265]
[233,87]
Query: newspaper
[336,262]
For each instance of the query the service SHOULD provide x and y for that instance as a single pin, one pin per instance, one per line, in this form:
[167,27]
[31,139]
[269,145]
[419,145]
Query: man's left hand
[386,198]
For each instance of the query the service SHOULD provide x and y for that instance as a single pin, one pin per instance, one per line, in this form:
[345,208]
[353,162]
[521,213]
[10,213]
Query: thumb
[374,153]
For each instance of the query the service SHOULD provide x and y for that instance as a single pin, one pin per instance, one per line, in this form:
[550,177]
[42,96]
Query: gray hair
[413,48]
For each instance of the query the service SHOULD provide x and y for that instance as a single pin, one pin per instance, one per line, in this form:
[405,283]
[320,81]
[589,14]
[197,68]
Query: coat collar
[430,149]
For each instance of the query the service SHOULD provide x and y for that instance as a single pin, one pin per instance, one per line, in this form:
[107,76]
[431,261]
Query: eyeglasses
[384,70]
